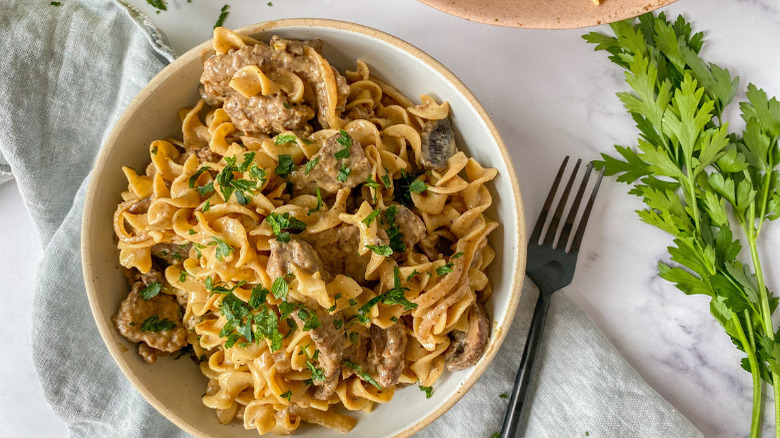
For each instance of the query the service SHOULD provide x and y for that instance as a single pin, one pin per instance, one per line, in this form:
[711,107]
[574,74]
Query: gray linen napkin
[67,74]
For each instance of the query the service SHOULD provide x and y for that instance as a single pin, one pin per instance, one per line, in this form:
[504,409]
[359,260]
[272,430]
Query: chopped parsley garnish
[228,184]
[267,326]
[319,203]
[360,373]
[286,309]
[223,249]
[258,297]
[196,175]
[310,320]
[285,166]
[55,3]
[310,165]
[155,324]
[288,395]
[338,324]
[394,319]
[412,275]
[283,224]
[284,139]
[343,173]
[352,302]
[158,4]
[394,232]
[444,270]
[206,206]
[343,153]
[392,296]
[151,291]
[217,289]
[369,182]
[418,186]
[335,300]
[428,390]
[503,396]
[370,218]
[280,288]
[403,187]
[223,13]
[386,180]
[344,139]
[316,373]
[383,250]
[258,174]
[191,231]
[183,277]
[457,255]
[206,189]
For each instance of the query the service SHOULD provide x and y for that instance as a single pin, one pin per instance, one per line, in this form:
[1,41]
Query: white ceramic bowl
[175,387]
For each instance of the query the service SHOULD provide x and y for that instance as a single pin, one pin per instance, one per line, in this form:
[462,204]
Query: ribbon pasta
[316,258]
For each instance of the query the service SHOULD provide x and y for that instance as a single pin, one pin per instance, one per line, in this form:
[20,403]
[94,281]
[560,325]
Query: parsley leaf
[280,288]
[282,224]
[309,319]
[283,139]
[370,218]
[151,291]
[285,166]
[396,295]
[194,178]
[403,187]
[223,249]
[258,297]
[288,395]
[428,390]
[343,173]
[316,373]
[158,4]
[155,324]
[417,186]
[444,270]
[382,250]
[223,13]
[310,165]
[360,373]
[319,203]
[344,139]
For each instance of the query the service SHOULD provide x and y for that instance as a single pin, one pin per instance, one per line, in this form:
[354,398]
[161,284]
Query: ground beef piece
[204,154]
[326,173]
[338,250]
[410,225]
[134,310]
[387,353]
[268,114]
[294,252]
[171,253]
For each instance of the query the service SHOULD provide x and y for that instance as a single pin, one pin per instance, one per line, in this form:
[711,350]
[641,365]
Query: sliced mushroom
[438,143]
[466,348]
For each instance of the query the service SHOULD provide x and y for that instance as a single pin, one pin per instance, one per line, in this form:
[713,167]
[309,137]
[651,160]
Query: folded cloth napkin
[68,72]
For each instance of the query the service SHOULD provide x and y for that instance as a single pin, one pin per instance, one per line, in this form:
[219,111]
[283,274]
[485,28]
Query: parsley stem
[766,313]
[749,347]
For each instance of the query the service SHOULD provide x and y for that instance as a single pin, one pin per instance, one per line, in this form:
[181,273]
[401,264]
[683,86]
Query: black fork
[551,267]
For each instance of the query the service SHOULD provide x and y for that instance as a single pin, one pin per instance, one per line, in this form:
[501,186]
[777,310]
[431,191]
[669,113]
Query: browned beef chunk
[338,250]
[410,225]
[204,154]
[387,353]
[325,174]
[466,348]
[134,311]
[171,253]
[296,252]
[329,341]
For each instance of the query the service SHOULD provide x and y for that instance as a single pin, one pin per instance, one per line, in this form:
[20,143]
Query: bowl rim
[104,326]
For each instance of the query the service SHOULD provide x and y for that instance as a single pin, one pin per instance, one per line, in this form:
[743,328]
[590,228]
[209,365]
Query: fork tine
[550,237]
[575,206]
[575,245]
[537,233]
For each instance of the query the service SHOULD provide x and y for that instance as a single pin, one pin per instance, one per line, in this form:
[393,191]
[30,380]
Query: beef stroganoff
[314,241]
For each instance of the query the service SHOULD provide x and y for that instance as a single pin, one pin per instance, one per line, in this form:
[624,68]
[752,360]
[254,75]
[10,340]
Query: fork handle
[514,413]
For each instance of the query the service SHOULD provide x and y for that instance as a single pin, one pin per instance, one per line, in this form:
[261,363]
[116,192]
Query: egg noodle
[305,282]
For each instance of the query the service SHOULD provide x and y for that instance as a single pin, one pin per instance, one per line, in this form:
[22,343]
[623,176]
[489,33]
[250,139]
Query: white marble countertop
[550,96]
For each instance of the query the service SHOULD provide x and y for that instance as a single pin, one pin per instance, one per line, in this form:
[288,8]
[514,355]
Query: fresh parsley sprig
[690,171]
